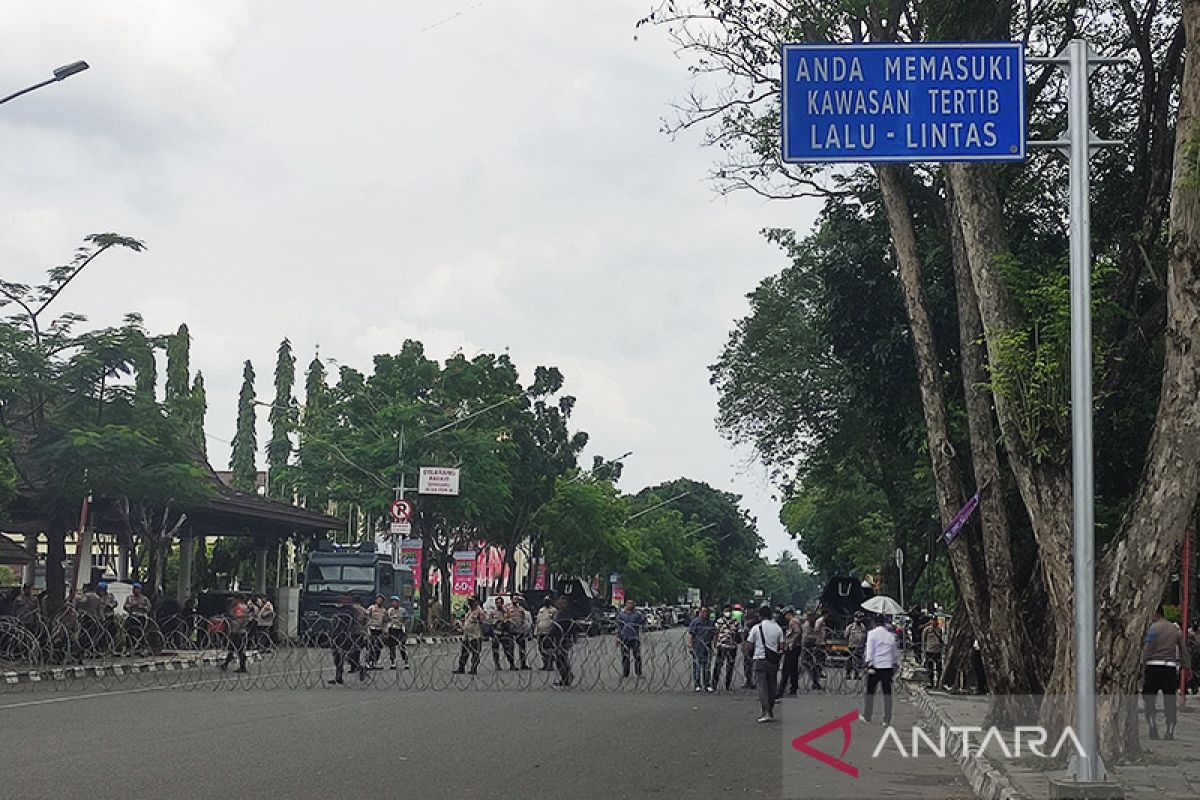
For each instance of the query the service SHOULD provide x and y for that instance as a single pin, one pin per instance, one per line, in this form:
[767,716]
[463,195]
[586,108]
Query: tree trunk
[941,451]
[56,577]
[958,671]
[1135,567]
[1005,648]
[1044,486]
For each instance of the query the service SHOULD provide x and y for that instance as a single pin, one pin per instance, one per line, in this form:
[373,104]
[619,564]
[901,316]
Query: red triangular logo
[843,722]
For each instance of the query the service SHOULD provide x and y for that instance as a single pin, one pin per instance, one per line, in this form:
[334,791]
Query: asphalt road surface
[360,742]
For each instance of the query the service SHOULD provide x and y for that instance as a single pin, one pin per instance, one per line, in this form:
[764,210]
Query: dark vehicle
[583,607]
[360,572]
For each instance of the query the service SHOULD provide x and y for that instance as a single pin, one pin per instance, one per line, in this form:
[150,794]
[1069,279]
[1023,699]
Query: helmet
[396,597]
[102,585]
[136,585]
[737,606]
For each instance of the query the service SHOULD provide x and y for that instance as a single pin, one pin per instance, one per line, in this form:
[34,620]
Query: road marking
[139,690]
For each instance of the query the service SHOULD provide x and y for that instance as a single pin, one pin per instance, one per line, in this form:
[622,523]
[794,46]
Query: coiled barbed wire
[74,649]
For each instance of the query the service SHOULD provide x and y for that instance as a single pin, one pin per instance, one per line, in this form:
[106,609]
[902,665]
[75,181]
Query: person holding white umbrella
[881,659]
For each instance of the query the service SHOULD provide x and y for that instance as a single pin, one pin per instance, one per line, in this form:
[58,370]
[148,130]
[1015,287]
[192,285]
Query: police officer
[522,626]
[395,633]
[375,620]
[502,634]
[137,609]
[472,642]
[856,643]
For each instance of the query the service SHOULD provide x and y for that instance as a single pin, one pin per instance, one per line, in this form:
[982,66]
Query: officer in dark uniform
[346,639]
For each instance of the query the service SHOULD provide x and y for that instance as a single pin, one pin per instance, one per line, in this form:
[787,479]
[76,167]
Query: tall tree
[311,477]
[178,369]
[1008,253]
[46,383]
[283,417]
[245,441]
[197,408]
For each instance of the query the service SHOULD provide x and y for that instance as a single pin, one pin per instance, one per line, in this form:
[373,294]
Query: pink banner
[539,582]
[410,556]
[463,580]
[618,594]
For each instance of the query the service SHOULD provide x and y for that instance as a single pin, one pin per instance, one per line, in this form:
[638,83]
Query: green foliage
[197,408]
[178,368]
[245,437]
[284,417]
[1031,365]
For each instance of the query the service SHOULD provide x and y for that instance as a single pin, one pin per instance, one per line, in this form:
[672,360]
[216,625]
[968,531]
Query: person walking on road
[729,636]
[395,631]
[346,639]
[1163,655]
[932,642]
[265,620]
[472,643]
[882,658]
[562,637]
[239,624]
[700,637]
[791,654]
[767,640]
[630,624]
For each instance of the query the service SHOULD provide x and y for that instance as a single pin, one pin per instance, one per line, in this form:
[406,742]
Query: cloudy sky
[477,175]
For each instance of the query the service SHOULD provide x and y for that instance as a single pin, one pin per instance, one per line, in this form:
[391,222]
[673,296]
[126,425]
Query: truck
[358,571]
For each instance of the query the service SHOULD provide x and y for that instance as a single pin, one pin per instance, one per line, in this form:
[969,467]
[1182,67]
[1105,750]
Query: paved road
[359,742]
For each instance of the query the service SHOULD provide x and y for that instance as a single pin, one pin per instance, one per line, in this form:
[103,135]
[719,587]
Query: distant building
[260,480]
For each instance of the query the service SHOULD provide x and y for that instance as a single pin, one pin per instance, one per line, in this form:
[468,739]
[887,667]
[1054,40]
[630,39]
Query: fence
[75,650]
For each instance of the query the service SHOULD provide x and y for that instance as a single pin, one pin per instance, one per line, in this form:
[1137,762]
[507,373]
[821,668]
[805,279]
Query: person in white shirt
[882,657]
[767,639]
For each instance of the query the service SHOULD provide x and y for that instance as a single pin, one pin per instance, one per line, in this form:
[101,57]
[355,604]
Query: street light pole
[60,74]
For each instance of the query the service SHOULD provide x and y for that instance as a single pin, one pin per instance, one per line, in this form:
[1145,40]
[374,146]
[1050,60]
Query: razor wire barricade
[75,651]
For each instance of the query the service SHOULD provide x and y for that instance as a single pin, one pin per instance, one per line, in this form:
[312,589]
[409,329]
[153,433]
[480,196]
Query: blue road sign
[905,102]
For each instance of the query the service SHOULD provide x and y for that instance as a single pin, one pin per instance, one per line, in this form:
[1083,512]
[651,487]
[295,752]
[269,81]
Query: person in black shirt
[562,639]
[346,639]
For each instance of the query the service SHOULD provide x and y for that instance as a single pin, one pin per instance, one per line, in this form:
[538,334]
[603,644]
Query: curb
[987,782]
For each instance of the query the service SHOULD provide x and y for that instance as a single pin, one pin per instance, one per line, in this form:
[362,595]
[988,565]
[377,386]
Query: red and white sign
[439,480]
[402,510]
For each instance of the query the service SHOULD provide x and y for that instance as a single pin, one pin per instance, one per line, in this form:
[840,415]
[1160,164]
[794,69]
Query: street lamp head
[66,71]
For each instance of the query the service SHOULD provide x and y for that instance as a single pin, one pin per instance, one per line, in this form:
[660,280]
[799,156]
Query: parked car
[606,619]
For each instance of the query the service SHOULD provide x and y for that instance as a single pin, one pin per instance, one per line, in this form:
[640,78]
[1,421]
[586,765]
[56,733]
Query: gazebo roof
[13,553]
[234,513]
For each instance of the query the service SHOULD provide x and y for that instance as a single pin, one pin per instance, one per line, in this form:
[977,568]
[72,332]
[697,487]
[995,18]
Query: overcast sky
[477,175]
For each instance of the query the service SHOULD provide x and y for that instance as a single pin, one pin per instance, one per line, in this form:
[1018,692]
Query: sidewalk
[1168,771]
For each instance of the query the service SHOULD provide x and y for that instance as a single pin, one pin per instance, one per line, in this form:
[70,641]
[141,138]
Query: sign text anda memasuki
[903,102]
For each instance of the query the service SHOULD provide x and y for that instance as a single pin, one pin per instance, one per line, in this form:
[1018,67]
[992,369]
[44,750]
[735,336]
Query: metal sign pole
[1078,62]
[1082,473]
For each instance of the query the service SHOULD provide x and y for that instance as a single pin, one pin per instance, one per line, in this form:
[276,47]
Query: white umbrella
[882,604]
